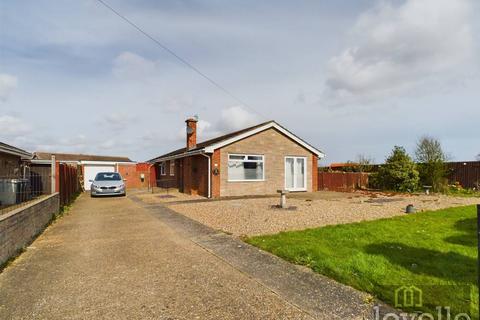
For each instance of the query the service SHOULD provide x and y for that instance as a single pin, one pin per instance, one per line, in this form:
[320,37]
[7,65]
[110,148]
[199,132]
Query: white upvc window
[172,167]
[162,168]
[246,167]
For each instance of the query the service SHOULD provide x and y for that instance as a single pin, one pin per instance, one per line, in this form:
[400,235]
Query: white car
[107,184]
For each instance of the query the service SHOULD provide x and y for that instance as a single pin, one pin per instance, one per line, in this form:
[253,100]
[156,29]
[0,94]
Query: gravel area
[161,196]
[258,216]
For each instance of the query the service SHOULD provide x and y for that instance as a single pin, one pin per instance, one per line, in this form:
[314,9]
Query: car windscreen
[107,176]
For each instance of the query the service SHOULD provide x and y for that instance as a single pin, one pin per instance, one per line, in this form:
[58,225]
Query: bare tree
[429,149]
[478,157]
[431,162]
[364,162]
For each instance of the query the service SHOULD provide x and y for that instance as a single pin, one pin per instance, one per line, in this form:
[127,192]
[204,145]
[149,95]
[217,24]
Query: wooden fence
[465,173]
[67,184]
[342,181]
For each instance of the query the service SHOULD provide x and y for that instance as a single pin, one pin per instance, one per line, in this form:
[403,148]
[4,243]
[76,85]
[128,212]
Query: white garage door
[91,171]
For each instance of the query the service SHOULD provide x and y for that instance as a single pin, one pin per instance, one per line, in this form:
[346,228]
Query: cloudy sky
[350,77]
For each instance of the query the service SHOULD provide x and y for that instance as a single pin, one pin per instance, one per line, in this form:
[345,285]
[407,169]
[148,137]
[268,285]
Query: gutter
[178,156]
[22,154]
[36,161]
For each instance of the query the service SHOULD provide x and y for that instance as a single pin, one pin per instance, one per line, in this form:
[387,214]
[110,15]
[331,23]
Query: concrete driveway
[115,258]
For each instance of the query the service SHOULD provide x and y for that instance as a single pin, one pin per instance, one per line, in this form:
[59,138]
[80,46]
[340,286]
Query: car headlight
[95,186]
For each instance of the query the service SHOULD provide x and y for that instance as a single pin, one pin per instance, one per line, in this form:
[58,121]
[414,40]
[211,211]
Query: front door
[296,173]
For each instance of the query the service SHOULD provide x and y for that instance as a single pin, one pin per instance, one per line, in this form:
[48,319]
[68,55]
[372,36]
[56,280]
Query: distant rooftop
[343,164]
[78,157]
[6,148]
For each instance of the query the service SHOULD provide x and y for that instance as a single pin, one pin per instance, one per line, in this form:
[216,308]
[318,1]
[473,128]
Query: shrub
[399,172]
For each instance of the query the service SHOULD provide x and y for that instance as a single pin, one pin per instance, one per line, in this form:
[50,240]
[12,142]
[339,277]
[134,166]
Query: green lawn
[435,251]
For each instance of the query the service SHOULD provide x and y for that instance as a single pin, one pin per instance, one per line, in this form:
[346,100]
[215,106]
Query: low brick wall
[20,226]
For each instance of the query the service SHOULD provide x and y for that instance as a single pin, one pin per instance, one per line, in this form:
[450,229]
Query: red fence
[342,181]
[67,183]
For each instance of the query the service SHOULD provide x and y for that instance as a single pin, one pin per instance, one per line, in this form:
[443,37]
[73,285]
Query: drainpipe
[209,175]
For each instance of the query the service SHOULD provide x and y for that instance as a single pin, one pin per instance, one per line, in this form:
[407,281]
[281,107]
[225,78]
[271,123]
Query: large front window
[245,167]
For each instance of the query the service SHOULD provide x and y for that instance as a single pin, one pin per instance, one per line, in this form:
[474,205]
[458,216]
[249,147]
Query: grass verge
[435,251]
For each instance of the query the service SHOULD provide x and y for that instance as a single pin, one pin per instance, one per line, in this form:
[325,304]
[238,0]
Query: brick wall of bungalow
[167,179]
[215,174]
[274,146]
[189,176]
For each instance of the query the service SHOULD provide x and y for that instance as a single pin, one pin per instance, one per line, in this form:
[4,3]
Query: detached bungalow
[254,161]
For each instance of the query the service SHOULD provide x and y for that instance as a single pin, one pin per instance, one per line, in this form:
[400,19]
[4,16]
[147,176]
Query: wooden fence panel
[342,181]
[68,185]
[465,173]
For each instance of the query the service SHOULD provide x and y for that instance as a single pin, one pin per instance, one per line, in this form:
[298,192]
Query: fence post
[53,176]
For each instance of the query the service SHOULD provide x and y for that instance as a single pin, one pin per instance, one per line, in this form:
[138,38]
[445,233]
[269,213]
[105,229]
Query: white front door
[296,173]
[91,170]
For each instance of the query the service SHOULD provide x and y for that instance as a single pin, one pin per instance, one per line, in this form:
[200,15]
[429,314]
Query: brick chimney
[191,133]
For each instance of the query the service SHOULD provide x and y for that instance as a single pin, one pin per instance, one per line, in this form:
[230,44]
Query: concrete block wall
[19,227]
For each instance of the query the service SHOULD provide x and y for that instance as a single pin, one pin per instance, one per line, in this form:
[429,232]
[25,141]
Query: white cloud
[8,83]
[129,65]
[205,131]
[397,47]
[176,103]
[117,120]
[231,119]
[74,144]
[10,127]
[236,118]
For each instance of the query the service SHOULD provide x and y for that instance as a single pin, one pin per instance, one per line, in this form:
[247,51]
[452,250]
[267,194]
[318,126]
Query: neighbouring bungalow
[12,161]
[258,160]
